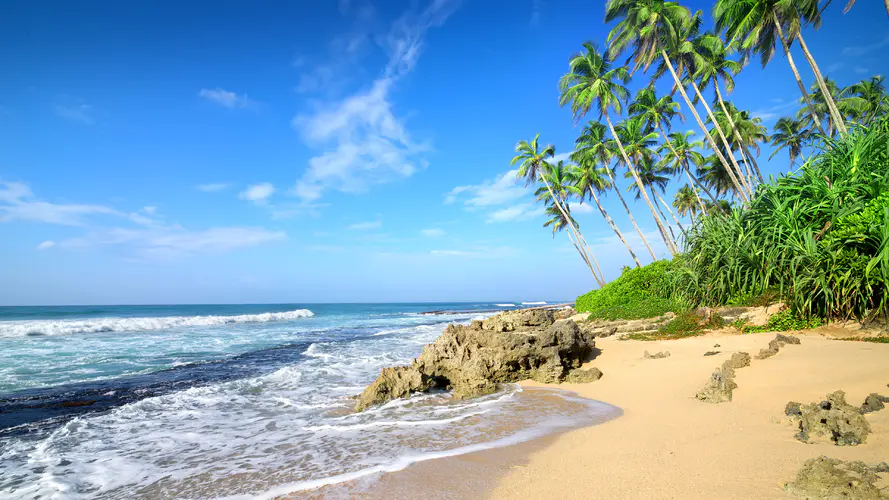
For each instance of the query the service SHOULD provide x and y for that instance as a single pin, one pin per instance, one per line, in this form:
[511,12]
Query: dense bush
[637,293]
[820,237]
[782,322]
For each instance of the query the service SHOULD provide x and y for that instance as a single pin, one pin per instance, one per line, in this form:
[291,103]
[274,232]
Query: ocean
[235,401]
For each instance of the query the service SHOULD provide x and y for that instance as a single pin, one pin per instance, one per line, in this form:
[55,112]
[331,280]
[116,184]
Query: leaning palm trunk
[571,228]
[831,105]
[629,213]
[725,144]
[695,190]
[611,223]
[712,142]
[799,80]
[581,252]
[676,220]
[636,178]
[737,134]
[660,211]
[685,167]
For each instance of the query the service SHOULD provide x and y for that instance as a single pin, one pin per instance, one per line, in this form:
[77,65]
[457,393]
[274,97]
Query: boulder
[874,402]
[472,360]
[721,384]
[657,355]
[831,479]
[832,419]
[579,376]
[777,343]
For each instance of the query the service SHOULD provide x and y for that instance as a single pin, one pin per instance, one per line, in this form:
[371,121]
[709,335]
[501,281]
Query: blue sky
[333,151]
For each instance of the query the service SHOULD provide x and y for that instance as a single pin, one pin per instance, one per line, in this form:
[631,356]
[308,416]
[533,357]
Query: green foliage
[781,322]
[819,237]
[763,299]
[877,340]
[637,293]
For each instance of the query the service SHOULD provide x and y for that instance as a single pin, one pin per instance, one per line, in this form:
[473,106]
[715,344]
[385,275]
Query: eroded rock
[874,402]
[776,344]
[472,360]
[712,353]
[579,376]
[831,479]
[832,419]
[657,355]
[721,384]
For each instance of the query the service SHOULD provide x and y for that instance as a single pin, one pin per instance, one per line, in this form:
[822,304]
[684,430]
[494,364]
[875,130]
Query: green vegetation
[780,322]
[637,293]
[878,340]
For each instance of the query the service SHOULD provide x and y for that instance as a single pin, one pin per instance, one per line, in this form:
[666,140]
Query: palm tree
[687,201]
[533,165]
[756,25]
[712,66]
[593,140]
[590,180]
[791,134]
[822,109]
[750,132]
[683,154]
[850,4]
[653,177]
[713,173]
[652,27]
[871,95]
[592,81]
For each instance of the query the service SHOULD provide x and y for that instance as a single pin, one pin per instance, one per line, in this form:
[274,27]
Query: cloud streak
[226,98]
[18,203]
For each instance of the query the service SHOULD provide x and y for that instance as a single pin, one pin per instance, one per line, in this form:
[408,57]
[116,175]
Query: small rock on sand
[711,353]
[829,478]
[657,355]
[834,419]
[777,343]
[722,382]
[874,402]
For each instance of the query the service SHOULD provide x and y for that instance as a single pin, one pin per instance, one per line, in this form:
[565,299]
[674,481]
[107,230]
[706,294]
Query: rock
[564,313]
[657,355]
[874,402]
[472,360]
[722,382]
[716,345]
[777,343]
[711,353]
[578,376]
[831,479]
[834,419]
[793,409]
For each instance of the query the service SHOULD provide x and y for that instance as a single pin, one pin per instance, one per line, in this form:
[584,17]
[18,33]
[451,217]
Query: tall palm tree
[713,173]
[750,132]
[591,81]
[594,141]
[652,28]
[756,25]
[713,65]
[653,178]
[822,109]
[532,166]
[686,202]
[590,180]
[871,95]
[791,134]
[683,153]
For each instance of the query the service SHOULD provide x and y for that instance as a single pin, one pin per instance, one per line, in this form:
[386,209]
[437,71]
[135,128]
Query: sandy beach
[670,445]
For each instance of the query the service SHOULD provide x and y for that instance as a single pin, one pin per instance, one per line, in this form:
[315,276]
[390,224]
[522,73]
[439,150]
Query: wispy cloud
[432,233]
[536,7]
[258,193]
[560,157]
[364,142]
[504,188]
[859,70]
[17,202]
[366,226]
[81,112]
[214,187]
[776,111]
[581,208]
[520,211]
[226,98]
[860,50]
[46,245]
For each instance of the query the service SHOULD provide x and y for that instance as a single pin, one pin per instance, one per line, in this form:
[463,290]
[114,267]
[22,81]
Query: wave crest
[99,325]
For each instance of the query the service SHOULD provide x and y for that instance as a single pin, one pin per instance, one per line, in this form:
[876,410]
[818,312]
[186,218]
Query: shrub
[782,322]
[638,293]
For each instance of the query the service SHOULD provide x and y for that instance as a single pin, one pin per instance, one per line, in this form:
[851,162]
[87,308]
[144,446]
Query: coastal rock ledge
[472,360]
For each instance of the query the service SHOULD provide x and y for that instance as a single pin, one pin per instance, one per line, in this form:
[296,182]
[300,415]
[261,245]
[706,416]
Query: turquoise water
[208,401]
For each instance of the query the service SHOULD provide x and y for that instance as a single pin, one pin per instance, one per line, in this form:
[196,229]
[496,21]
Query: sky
[331,151]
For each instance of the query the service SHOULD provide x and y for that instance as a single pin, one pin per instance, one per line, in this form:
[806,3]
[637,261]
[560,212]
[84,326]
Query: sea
[237,401]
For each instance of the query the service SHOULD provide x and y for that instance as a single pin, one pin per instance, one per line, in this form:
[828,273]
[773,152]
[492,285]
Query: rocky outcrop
[777,343]
[831,419]
[657,355]
[603,328]
[472,360]
[831,479]
[722,382]
[874,402]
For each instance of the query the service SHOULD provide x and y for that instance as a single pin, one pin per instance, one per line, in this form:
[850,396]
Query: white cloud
[860,50]
[149,210]
[213,187]
[226,98]
[452,253]
[503,189]
[776,111]
[140,219]
[363,141]
[46,245]
[581,208]
[561,157]
[81,112]
[521,211]
[860,70]
[257,193]
[365,226]
[17,202]
[432,233]
[536,6]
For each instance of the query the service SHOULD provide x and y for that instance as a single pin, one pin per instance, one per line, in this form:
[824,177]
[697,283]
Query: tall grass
[820,236]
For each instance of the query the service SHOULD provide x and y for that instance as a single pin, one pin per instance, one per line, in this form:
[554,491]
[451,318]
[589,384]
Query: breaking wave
[99,325]
[533,303]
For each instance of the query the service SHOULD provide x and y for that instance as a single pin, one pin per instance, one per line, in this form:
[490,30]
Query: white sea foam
[534,303]
[97,325]
[505,305]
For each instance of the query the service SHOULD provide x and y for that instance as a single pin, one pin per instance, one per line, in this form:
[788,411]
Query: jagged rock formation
[831,479]
[874,402]
[472,360]
[657,355]
[777,343]
[722,382]
[833,419]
